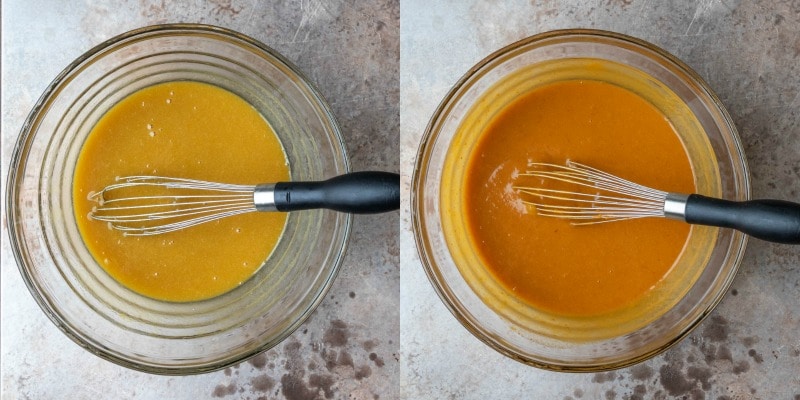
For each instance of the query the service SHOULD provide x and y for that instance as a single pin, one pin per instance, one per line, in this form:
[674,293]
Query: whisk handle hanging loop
[363,192]
[772,220]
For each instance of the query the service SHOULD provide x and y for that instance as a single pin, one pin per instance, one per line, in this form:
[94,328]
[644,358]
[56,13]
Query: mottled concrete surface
[749,347]
[349,348]
[352,346]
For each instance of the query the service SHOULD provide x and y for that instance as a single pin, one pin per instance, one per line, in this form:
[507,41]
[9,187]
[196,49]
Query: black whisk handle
[772,220]
[365,192]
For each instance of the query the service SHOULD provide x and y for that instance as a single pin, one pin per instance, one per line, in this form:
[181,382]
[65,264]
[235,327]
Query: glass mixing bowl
[88,305]
[700,276]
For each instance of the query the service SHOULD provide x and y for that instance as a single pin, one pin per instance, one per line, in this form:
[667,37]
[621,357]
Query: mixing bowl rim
[27,133]
[419,176]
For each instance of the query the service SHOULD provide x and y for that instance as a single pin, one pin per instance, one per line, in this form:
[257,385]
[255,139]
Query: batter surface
[552,265]
[188,130]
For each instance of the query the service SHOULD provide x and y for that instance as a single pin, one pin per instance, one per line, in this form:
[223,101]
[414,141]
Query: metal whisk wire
[587,195]
[144,215]
[151,205]
[609,199]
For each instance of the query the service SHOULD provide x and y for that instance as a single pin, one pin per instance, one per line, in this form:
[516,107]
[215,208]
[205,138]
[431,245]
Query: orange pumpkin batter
[550,264]
[191,130]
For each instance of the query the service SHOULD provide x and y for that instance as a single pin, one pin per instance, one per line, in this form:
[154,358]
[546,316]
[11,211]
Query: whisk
[151,205]
[611,198]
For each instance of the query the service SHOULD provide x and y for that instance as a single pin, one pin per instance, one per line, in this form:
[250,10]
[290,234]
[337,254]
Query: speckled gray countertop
[749,53]
[349,348]
[382,332]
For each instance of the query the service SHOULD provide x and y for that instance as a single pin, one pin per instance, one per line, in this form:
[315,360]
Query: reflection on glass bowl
[453,266]
[85,302]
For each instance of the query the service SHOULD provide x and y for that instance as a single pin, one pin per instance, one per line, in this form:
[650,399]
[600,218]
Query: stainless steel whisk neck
[675,206]
[264,197]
